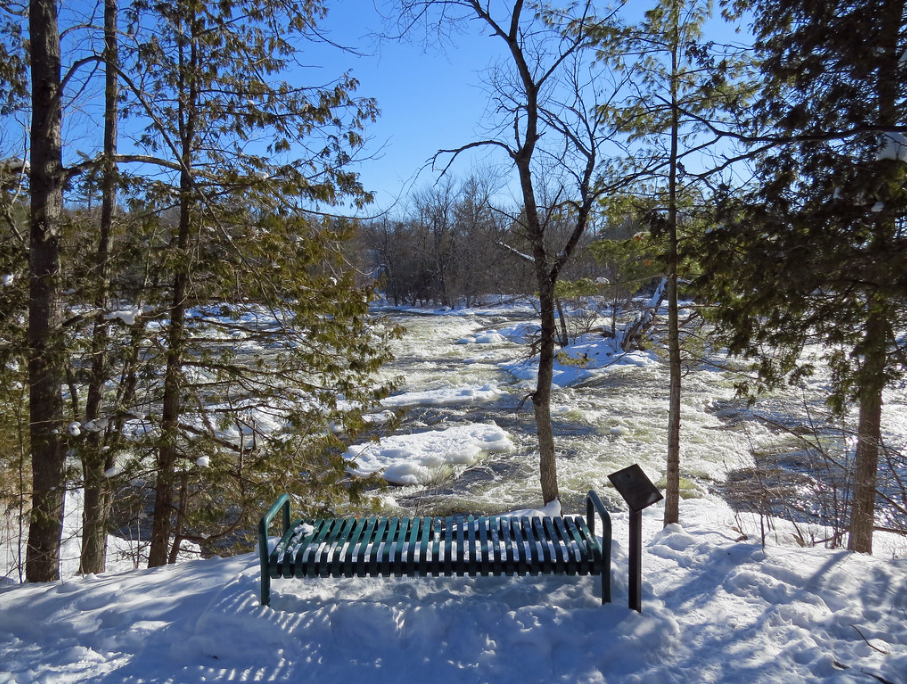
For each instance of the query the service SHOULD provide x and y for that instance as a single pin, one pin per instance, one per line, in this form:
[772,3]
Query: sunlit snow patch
[574,364]
[486,337]
[552,509]
[418,458]
[446,396]
[127,316]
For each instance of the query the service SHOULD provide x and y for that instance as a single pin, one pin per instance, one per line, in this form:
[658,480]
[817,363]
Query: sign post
[639,493]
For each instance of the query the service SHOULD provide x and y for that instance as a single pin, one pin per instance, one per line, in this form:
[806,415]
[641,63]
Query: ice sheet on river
[419,458]
[444,396]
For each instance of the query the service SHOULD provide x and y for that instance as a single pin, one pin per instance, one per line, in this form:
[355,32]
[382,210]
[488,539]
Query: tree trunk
[95,462]
[167,453]
[541,399]
[45,353]
[672,488]
[872,374]
[565,337]
[672,475]
[170,412]
[869,432]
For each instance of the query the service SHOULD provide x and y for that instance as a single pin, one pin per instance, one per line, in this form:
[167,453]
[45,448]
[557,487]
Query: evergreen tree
[45,313]
[228,250]
[815,249]
[222,128]
[681,88]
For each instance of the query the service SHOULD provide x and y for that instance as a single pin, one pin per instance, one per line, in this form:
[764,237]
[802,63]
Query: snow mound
[444,396]
[421,457]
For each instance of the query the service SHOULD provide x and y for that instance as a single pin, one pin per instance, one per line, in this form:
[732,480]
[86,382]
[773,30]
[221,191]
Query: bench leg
[265,589]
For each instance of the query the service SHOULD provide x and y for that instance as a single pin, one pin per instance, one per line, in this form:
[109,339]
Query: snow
[591,356]
[127,316]
[419,458]
[717,607]
[445,396]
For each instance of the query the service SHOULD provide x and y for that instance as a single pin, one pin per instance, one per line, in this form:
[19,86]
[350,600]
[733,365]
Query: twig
[874,648]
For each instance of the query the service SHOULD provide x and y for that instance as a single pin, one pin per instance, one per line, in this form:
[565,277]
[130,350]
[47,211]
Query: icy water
[601,425]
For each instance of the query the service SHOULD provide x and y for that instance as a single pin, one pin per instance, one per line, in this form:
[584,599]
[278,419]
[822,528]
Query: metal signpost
[639,493]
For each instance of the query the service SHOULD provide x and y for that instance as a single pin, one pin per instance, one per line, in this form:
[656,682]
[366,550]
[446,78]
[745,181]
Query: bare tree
[545,98]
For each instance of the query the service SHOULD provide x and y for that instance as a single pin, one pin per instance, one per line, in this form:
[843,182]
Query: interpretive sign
[639,493]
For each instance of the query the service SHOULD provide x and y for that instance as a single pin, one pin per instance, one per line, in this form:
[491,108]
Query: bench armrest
[281,505]
[594,505]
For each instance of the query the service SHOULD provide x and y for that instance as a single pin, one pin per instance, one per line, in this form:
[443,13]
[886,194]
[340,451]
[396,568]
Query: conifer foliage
[814,250]
[238,347]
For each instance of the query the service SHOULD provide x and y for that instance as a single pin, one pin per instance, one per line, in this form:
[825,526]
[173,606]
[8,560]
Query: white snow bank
[444,396]
[487,337]
[591,356]
[550,510]
[127,316]
[715,609]
[418,458]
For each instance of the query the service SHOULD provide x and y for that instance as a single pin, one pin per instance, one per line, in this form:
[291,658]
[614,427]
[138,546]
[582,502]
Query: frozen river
[465,378]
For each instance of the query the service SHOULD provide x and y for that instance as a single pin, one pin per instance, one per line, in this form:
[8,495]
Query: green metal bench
[435,547]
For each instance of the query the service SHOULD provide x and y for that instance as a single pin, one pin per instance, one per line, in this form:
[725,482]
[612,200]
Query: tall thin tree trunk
[872,374]
[541,399]
[45,341]
[869,434]
[170,413]
[672,493]
[95,462]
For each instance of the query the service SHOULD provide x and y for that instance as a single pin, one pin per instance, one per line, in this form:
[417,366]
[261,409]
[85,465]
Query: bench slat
[589,547]
[424,537]
[335,538]
[398,550]
[415,540]
[512,564]
[557,558]
[390,537]
[482,524]
[309,544]
[460,561]
[530,548]
[570,553]
[472,562]
[348,569]
[361,564]
[576,535]
[375,547]
[448,546]
[542,545]
[434,563]
[494,529]
[275,559]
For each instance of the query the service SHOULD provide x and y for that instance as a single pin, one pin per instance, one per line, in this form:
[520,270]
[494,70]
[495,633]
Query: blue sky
[430,97]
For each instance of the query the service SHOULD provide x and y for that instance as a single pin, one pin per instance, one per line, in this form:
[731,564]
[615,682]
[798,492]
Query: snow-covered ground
[718,606]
